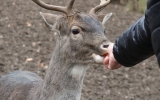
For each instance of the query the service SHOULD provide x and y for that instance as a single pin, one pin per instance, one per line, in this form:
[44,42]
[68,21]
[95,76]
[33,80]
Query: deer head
[80,35]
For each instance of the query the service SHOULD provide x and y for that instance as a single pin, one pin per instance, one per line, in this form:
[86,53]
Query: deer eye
[75,31]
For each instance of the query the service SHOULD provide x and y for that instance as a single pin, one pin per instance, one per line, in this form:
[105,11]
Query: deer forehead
[88,22]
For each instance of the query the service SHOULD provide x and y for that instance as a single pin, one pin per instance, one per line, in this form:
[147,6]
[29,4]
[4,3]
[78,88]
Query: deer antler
[101,6]
[67,10]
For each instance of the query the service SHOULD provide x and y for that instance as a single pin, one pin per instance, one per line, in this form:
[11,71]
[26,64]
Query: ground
[25,44]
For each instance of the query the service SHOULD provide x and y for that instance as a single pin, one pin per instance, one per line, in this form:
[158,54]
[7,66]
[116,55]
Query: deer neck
[64,78]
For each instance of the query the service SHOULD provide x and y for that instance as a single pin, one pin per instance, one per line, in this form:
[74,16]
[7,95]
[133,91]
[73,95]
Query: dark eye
[75,31]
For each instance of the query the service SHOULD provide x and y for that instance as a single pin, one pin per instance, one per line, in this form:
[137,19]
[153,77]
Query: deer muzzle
[100,58]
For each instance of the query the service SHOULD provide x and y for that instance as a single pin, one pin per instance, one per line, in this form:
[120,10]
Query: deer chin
[98,58]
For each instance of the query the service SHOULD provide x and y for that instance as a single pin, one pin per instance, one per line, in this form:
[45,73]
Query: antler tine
[69,7]
[101,6]
[67,10]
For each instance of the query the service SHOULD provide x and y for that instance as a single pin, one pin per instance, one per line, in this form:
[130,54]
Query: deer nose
[104,47]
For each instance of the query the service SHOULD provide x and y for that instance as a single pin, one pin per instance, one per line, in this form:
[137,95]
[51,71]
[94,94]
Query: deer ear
[49,19]
[104,18]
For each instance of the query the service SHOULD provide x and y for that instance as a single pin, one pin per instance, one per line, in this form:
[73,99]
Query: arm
[138,42]
[134,45]
[153,15]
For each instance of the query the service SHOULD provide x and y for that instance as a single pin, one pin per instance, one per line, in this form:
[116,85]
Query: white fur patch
[97,58]
[78,71]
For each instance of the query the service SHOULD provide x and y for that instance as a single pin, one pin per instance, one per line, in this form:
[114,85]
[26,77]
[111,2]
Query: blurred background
[133,5]
[26,44]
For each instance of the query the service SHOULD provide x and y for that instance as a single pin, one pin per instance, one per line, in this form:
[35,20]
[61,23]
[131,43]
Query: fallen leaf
[29,59]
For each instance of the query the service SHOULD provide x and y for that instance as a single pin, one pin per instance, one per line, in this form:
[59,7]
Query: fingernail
[109,67]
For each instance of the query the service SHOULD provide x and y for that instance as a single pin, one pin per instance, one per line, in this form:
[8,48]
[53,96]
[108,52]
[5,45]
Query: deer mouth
[99,58]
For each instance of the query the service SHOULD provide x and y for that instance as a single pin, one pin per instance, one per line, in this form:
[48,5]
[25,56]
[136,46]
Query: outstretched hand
[109,61]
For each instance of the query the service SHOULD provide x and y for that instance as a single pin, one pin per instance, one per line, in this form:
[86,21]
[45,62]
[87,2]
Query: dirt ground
[25,44]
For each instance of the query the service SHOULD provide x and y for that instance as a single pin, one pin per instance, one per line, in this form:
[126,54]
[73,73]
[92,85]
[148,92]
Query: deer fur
[71,57]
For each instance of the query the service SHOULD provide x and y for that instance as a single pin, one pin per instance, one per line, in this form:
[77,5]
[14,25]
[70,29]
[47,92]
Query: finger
[106,61]
[114,65]
[110,47]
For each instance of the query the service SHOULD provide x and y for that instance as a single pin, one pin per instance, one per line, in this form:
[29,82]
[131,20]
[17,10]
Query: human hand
[109,61]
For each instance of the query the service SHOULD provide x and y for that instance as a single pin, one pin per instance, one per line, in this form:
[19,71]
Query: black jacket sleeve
[142,39]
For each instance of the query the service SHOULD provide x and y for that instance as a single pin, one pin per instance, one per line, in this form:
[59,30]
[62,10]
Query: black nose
[105,46]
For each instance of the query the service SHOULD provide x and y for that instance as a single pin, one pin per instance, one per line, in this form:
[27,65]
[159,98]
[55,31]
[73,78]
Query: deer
[80,43]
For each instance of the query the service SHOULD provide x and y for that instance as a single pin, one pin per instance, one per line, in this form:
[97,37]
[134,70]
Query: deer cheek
[77,37]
